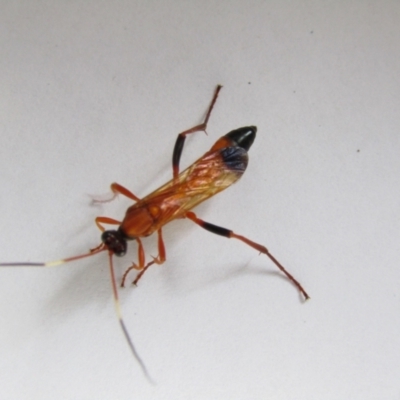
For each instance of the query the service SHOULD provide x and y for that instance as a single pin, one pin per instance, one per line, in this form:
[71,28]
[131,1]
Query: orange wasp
[216,170]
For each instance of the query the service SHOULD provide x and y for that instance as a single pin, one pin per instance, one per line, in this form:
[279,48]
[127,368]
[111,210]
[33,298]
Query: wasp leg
[116,189]
[141,259]
[262,249]
[142,267]
[106,220]
[160,259]
[180,140]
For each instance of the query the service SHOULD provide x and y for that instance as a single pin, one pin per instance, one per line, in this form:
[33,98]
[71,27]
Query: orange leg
[262,249]
[141,259]
[180,140]
[160,259]
[116,189]
[106,220]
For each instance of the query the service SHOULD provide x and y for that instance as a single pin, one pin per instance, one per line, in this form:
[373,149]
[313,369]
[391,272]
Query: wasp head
[115,242]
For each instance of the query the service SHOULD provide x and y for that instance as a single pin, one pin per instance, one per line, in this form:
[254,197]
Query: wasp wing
[209,175]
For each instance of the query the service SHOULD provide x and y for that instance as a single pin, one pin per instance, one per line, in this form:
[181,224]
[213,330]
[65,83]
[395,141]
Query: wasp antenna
[121,321]
[96,250]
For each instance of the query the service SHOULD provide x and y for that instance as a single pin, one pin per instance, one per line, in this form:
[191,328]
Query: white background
[95,92]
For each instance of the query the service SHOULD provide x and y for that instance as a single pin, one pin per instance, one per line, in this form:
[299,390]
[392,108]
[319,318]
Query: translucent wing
[209,175]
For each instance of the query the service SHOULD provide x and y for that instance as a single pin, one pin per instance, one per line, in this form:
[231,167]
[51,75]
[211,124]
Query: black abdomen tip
[243,137]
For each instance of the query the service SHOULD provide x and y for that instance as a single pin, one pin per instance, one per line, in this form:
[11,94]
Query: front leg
[106,220]
[160,259]
[142,266]
[116,189]
[141,259]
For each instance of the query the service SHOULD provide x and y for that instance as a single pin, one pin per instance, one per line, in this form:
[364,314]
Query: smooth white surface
[95,92]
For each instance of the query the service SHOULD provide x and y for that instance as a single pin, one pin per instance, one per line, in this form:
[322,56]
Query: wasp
[216,170]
